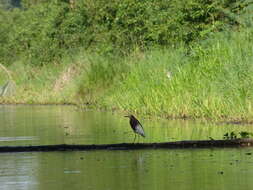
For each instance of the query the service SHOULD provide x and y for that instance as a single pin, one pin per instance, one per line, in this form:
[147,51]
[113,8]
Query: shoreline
[94,108]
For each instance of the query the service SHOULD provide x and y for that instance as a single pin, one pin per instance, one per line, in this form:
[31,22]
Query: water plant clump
[234,135]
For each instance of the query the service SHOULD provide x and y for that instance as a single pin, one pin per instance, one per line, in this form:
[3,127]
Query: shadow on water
[182,169]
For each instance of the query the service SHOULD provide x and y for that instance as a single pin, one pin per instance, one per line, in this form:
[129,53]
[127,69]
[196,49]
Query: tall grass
[212,79]
[47,84]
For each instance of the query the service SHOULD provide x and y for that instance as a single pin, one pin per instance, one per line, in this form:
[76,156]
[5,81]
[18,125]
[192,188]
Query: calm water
[191,169]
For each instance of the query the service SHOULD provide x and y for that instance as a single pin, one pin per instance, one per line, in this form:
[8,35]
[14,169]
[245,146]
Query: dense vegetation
[44,32]
[118,55]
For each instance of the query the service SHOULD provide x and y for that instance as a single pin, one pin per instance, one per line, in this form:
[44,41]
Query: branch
[6,70]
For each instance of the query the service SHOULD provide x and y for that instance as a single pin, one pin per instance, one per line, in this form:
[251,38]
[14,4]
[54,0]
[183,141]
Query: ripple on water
[20,138]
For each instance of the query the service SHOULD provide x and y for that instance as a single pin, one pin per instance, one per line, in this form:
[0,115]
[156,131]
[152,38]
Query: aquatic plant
[234,135]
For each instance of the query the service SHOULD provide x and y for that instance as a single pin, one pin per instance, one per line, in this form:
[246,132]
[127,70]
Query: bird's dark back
[134,122]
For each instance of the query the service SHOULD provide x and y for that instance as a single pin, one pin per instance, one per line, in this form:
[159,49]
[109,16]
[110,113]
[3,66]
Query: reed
[211,78]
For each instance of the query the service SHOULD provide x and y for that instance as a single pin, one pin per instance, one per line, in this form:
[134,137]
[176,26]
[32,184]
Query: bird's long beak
[126,116]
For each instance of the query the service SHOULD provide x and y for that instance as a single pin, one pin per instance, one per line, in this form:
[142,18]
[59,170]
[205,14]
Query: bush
[44,31]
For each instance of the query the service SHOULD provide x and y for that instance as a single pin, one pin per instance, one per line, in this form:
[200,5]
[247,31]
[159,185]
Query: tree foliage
[42,31]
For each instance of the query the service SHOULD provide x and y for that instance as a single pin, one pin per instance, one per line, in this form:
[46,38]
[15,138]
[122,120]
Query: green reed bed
[212,79]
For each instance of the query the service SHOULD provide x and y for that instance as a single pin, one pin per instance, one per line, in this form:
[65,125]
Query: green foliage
[9,4]
[43,31]
[245,134]
[5,4]
[41,41]
[231,135]
[213,79]
[127,48]
[234,135]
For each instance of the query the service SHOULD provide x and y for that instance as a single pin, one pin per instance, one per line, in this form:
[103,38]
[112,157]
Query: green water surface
[179,169]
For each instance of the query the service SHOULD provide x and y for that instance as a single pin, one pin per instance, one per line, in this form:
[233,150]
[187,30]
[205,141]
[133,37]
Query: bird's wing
[139,129]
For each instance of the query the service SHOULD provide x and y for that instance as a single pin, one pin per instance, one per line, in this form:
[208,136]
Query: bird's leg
[134,137]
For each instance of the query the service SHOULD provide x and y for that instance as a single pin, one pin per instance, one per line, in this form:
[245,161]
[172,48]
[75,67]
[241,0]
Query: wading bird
[136,126]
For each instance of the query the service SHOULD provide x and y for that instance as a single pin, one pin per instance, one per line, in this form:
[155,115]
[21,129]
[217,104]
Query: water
[203,169]
[42,125]
[180,169]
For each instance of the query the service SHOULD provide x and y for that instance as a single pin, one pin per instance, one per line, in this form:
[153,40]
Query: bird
[136,126]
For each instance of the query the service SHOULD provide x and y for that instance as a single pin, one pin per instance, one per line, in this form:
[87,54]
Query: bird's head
[129,116]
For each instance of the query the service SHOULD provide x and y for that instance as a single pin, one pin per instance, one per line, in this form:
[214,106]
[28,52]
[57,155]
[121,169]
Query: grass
[37,85]
[211,79]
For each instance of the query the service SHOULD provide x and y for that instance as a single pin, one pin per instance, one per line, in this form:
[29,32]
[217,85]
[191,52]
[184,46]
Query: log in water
[131,146]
